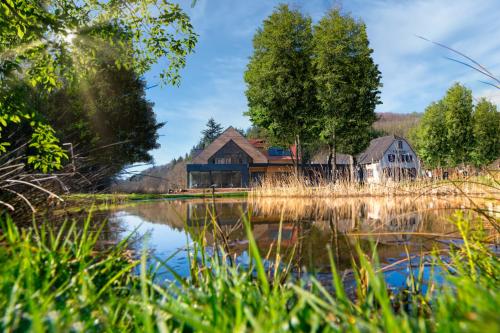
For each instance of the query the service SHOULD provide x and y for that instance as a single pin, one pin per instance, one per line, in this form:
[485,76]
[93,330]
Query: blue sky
[414,72]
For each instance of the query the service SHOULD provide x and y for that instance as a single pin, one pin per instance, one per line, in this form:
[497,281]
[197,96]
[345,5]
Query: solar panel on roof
[278,151]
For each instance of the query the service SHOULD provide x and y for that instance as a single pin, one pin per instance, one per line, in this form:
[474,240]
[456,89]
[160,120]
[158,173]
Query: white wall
[377,168]
[393,149]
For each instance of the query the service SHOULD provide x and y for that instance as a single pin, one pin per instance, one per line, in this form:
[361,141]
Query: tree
[347,84]
[114,128]
[280,90]
[430,136]
[485,129]
[211,132]
[47,44]
[458,115]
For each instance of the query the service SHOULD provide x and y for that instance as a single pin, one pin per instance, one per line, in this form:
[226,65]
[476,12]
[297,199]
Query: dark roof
[322,157]
[196,152]
[377,148]
[230,134]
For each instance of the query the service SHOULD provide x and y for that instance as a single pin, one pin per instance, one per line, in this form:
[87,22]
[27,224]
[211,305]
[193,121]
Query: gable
[233,151]
[230,134]
[378,148]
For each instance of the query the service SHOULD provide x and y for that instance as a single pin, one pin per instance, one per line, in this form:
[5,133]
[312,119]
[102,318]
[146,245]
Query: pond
[398,227]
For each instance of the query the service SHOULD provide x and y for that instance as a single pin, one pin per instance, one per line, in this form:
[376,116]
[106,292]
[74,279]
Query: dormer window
[391,157]
[400,144]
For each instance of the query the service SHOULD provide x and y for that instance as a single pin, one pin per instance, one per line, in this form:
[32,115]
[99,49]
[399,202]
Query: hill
[160,179]
[397,123]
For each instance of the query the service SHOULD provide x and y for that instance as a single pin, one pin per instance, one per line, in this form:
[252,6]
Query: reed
[292,186]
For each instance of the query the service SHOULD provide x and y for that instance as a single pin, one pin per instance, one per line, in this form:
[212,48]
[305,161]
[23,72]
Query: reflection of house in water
[391,217]
[227,212]
[309,225]
[266,234]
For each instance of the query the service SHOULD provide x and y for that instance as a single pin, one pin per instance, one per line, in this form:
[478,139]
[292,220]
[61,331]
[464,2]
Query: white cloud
[492,94]
[414,71]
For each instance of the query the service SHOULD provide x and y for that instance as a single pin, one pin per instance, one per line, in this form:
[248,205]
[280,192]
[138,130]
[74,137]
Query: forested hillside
[158,179]
[397,123]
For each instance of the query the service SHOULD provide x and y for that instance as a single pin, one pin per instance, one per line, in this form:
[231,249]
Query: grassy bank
[124,197]
[65,280]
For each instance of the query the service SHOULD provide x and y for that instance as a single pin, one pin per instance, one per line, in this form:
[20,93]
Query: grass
[66,280]
[114,198]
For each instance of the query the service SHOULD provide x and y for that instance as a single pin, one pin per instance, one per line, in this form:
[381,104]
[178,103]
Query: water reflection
[394,225]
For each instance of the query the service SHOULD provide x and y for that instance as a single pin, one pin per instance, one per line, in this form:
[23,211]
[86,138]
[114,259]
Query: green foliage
[305,84]
[49,44]
[457,114]
[452,131]
[280,91]
[347,82]
[65,280]
[486,133]
[48,154]
[108,120]
[431,136]
[46,37]
[45,153]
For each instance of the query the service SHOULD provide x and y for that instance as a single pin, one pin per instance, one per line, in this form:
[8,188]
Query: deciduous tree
[430,137]
[49,43]
[486,132]
[347,84]
[280,89]
[458,108]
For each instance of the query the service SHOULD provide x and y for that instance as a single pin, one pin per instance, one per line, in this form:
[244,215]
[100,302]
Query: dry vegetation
[161,179]
[487,186]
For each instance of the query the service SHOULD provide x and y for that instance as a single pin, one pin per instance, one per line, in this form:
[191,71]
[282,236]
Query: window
[391,157]
[226,178]
[222,160]
[400,144]
[406,158]
[369,173]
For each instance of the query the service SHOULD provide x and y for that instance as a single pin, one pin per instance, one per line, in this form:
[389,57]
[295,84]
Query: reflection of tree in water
[309,225]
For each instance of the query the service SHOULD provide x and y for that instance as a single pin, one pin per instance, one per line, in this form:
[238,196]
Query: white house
[388,158]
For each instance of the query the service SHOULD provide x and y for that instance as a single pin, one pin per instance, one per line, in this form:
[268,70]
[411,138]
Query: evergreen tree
[486,133]
[347,83]
[210,133]
[280,90]
[458,115]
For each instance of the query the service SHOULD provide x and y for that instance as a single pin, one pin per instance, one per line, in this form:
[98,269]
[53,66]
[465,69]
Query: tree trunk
[352,176]
[329,162]
[334,158]
[298,158]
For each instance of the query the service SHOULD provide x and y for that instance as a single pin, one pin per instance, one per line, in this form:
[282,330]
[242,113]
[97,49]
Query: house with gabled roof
[388,158]
[234,161]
